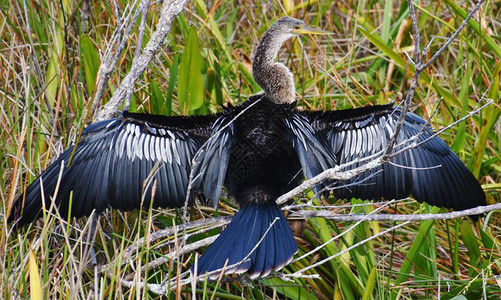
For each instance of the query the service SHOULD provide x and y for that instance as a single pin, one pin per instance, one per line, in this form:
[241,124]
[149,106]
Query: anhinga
[258,150]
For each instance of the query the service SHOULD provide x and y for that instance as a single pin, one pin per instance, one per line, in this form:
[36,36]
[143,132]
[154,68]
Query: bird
[258,150]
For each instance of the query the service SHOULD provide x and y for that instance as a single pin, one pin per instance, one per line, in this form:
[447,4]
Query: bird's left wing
[126,162]
[431,172]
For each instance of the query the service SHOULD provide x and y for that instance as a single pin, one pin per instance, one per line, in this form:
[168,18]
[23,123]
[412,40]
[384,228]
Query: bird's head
[284,29]
[295,27]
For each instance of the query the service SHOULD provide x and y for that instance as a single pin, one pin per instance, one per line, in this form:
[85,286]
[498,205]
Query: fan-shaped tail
[258,240]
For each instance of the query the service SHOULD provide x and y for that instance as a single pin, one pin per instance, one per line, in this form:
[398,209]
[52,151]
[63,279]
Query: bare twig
[112,54]
[145,4]
[374,161]
[419,67]
[333,174]
[170,9]
[327,214]
[187,277]
[413,145]
[412,87]
[164,287]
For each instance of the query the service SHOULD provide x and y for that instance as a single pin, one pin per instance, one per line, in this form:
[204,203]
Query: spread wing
[126,162]
[431,172]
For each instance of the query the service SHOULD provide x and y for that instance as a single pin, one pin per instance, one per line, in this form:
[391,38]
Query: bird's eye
[297,27]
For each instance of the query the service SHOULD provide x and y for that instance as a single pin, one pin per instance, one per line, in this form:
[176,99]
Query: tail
[258,240]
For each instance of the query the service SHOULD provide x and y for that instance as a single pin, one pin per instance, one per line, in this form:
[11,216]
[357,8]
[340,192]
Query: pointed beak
[310,30]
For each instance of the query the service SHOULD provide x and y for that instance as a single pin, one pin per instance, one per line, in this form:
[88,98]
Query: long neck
[269,46]
[274,78]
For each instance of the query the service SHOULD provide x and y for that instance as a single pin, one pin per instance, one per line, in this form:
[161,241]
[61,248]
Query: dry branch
[170,9]
[328,214]
[113,51]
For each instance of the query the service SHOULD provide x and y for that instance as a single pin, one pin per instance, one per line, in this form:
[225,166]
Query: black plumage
[432,173]
[258,150]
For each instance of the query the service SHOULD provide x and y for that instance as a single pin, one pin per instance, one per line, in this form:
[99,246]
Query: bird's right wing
[126,162]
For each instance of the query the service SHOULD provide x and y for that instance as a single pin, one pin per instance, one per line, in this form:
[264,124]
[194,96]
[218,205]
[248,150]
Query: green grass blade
[35,282]
[490,116]
[463,98]
[470,242]
[157,99]
[371,283]
[190,87]
[91,61]
[289,289]
[173,77]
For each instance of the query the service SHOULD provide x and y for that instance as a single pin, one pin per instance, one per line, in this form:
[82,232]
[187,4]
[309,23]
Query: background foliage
[49,57]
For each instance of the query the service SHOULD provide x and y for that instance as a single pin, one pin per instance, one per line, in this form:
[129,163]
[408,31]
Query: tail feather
[258,240]
[265,249]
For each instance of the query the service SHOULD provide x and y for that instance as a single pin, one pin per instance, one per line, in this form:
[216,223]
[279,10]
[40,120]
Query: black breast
[263,164]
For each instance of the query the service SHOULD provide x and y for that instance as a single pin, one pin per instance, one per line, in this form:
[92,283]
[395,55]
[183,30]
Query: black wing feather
[210,167]
[314,155]
[114,158]
[432,173]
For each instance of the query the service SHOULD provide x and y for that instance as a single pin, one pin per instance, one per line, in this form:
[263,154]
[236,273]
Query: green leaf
[214,86]
[91,61]
[190,87]
[53,76]
[173,74]
[490,116]
[35,283]
[369,287]
[156,99]
[290,291]
[349,283]
[463,97]
[470,242]
[487,239]
[133,106]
